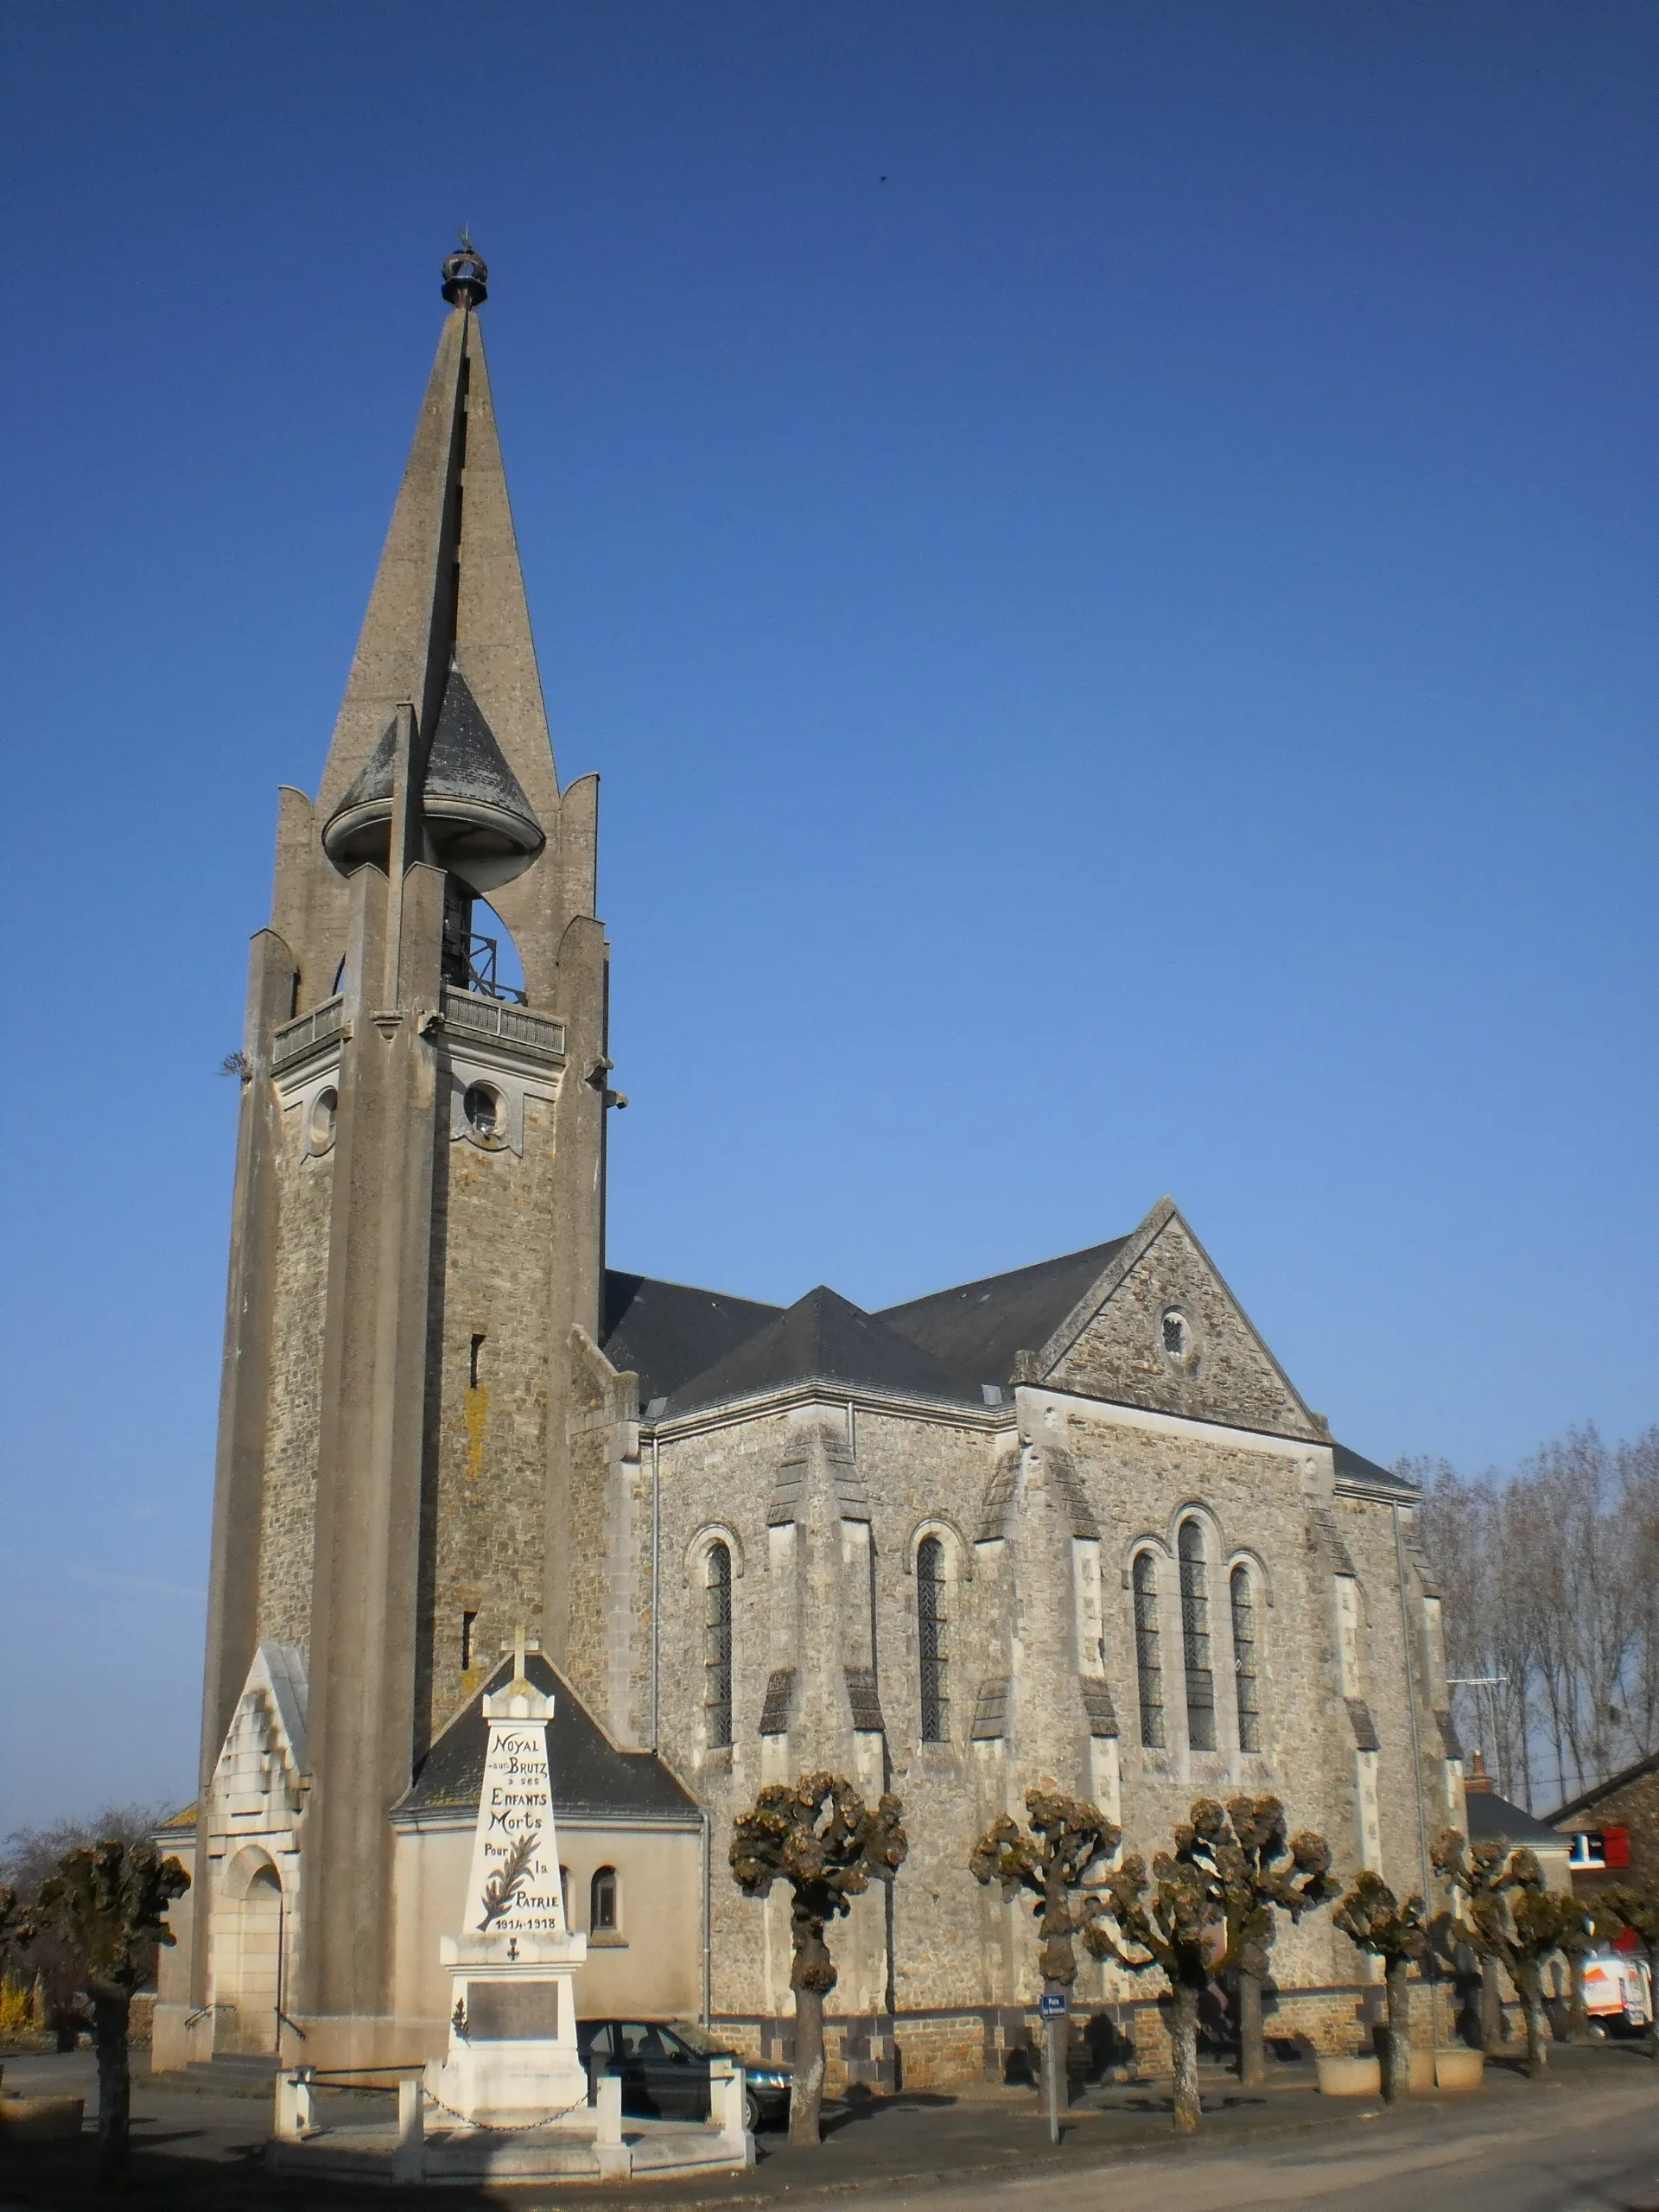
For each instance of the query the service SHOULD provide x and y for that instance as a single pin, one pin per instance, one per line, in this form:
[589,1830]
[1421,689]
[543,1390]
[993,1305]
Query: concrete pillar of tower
[232,1609]
[371,1451]
[576,1232]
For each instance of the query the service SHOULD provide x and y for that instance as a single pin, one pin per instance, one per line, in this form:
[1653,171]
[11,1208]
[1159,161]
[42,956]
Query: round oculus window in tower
[487,1114]
[321,1120]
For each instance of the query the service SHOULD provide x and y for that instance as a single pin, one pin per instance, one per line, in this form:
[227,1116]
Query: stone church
[1071,1523]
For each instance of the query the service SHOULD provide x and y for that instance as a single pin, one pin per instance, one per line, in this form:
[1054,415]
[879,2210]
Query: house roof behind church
[669,1331]
[823,1337]
[975,1329]
[1598,1793]
[1495,1818]
[591,1778]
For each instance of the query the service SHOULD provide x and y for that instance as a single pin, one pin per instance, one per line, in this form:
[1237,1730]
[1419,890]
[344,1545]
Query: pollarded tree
[1208,1907]
[1068,1840]
[1512,1917]
[1266,1872]
[817,1835]
[1179,1928]
[1375,1920]
[28,1857]
[107,1904]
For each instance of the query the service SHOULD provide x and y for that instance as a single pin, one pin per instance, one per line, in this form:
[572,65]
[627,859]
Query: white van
[1618,1989]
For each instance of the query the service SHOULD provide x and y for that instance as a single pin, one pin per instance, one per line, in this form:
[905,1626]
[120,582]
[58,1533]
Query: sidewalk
[201,2149]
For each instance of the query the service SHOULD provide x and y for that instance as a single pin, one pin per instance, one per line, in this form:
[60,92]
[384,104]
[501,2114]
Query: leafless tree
[27,1858]
[819,1838]
[1551,1581]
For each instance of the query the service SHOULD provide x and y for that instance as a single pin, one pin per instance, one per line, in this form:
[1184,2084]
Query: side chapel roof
[667,1332]
[823,1338]
[591,1777]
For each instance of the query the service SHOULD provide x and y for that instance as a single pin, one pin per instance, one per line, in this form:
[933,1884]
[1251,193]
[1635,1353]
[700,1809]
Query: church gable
[1160,1329]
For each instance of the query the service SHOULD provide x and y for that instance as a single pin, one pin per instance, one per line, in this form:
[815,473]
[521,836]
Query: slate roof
[1490,1816]
[823,1337]
[669,1331]
[463,762]
[1351,1467]
[1600,1791]
[590,1777]
[975,1329]
[694,1348]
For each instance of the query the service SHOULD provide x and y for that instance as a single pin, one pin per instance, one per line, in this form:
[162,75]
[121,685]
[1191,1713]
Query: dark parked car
[664,2069]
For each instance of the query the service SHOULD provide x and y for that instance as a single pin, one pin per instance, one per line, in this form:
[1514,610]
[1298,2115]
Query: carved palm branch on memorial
[502,1891]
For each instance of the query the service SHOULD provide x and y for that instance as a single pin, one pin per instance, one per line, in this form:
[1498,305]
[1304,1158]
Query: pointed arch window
[932,1594]
[1149,1656]
[717,1644]
[1195,1640]
[1244,1672]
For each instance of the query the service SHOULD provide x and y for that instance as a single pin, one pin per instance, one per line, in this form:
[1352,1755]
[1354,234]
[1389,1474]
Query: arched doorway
[248,1938]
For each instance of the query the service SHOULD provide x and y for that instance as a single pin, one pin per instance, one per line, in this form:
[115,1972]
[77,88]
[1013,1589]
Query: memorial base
[512,2059]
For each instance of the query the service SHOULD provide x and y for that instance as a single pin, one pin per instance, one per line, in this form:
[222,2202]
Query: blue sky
[1105,556]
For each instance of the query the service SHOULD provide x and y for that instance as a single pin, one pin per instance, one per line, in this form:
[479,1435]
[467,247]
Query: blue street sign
[1051,2005]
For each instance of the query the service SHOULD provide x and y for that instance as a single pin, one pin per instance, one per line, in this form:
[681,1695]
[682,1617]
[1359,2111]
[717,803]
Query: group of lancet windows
[933,1664]
[1198,1647]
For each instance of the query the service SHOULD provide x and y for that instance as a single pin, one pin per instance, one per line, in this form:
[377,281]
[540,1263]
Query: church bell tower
[418,1217]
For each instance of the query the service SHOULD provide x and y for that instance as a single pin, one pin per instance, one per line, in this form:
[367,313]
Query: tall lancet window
[1149,1656]
[1250,1697]
[1195,1640]
[932,1591]
[717,1644]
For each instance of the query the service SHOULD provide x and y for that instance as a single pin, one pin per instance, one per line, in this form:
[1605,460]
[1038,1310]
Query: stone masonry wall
[1013,1509]
[491,1267]
[299,1308]
[608,1647]
[1224,1374]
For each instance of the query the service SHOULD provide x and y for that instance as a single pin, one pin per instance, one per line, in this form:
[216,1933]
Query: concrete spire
[449,591]
[446,638]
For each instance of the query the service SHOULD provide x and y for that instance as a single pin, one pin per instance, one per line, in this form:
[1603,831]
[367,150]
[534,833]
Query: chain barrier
[505,2127]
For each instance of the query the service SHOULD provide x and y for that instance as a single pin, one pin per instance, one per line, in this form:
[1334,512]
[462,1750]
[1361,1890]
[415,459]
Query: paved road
[1589,2146]
[1597,2150]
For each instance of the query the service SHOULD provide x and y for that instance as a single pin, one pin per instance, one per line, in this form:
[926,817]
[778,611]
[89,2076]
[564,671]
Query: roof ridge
[749,1369]
[704,1289]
